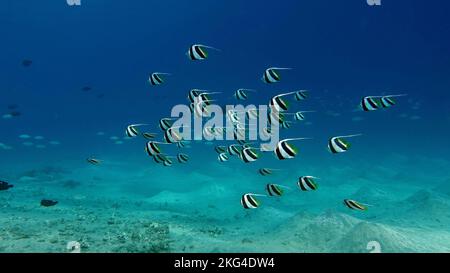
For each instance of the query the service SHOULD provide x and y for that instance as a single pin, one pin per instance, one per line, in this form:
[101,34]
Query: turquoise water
[339,51]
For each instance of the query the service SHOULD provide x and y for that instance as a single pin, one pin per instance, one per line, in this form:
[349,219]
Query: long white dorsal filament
[257,194]
[282,186]
[210,47]
[299,112]
[292,139]
[388,96]
[280,68]
[162,73]
[355,135]
[284,94]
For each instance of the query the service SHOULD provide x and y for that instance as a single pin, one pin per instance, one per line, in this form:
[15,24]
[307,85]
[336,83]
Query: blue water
[339,50]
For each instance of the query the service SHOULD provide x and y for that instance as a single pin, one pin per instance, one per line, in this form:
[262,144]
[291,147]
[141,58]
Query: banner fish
[93,161]
[272,74]
[152,148]
[149,135]
[278,103]
[172,136]
[373,103]
[299,116]
[338,144]
[223,157]
[220,149]
[301,95]
[199,52]
[266,171]
[354,205]
[182,158]
[249,201]
[249,155]
[285,150]
[157,78]
[165,123]
[275,189]
[132,130]
[241,94]
[234,149]
[307,183]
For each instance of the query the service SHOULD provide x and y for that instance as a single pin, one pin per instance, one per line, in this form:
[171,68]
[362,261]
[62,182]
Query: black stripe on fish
[200,52]
[252,200]
[274,74]
[340,144]
[274,190]
[244,202]
[287,148]
[191,53]
[309,183]
[266,78]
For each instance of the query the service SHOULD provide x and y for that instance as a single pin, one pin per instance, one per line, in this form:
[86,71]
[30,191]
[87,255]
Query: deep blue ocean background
[339,50]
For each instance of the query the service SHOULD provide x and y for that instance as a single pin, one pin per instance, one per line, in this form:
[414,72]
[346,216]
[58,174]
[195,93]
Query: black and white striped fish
[307,183]
[266,171]
[276,117]
[234,149]
[233,116]
[301,95]
[354,205]
[285,150]
[208,132]
[168,162]
[182,158]
[199,52]
[149,135]
[249,155]
[272,74]
[299,116]
[198,95]
[338,144]
[220,149]
[239,134]
[165,123]
[241,94]
[132,130]
[286,124]
[249,201]
[157,78]
[172,136]
[278,103]
[159,158]
[369,104]
[373,103]
[388,101]
[223,157]
[194,93]
[152,148]
[181,144]
[274,190]
[200,109]
[93,161]
[252,114]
